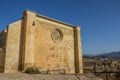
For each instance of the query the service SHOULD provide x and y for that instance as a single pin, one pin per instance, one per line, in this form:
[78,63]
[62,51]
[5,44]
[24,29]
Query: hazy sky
[99,19]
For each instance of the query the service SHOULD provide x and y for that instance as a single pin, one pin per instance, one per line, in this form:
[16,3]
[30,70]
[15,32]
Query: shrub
[32,70]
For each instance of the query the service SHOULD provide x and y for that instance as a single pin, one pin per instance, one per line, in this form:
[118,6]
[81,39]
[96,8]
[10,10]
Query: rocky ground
[23,76]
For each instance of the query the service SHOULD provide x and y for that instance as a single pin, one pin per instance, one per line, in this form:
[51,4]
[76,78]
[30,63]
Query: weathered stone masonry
[42,42]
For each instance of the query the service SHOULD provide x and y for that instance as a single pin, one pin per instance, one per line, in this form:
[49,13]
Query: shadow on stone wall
[2,60]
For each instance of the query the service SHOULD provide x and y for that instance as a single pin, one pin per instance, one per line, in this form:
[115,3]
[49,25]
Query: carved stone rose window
[57,35]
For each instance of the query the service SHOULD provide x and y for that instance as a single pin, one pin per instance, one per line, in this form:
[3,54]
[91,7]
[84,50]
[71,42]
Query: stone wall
[3,35]
[2,60]
[43,48]
[12,47]
[51,53]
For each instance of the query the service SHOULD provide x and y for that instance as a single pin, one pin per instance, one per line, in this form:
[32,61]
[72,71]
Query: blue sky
[99,19]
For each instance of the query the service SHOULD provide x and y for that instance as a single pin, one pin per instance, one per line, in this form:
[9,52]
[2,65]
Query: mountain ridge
[115,54]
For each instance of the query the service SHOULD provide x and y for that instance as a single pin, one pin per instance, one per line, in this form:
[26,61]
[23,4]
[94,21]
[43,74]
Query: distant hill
[105,55]
[110,55]
[87,56]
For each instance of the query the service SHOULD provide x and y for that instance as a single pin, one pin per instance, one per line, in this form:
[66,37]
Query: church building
[39,41]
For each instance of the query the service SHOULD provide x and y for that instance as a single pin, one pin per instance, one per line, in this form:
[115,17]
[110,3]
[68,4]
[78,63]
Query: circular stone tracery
[57,35]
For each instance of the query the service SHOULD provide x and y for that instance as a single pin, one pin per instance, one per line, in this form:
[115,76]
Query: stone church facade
[38,41]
